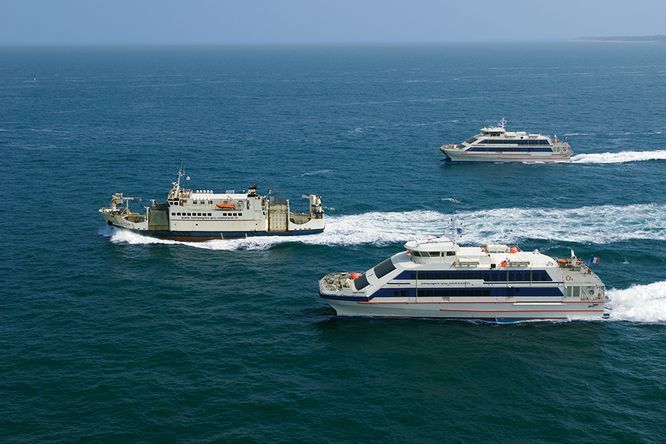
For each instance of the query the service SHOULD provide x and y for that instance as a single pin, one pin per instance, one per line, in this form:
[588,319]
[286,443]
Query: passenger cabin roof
[436,244]
[493,129]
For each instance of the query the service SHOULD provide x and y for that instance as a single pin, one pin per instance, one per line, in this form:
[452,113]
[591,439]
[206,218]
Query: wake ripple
[639,303]
[592,225]
[621,157]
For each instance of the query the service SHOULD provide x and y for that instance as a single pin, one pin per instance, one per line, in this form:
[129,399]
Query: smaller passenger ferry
[496,144]
[199,215]
[438,278]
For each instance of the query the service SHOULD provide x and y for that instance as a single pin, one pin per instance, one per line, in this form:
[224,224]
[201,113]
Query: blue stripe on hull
[345,298]
[533,292]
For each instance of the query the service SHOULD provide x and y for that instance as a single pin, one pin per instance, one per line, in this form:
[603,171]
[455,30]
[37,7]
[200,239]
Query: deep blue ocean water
[112,336]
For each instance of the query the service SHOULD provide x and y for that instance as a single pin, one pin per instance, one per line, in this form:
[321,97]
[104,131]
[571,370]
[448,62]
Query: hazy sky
[317,21]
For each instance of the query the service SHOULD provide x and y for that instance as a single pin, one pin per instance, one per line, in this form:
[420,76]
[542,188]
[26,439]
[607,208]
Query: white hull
[455,155]
[207,225]
[497,311]
[495,144]
[437,278]
[200,215]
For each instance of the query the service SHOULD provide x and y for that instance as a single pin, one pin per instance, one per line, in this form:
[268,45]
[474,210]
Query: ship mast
[175,188]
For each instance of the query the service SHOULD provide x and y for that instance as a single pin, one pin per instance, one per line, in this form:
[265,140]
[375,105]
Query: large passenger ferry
[198,215]
[496,144]
[438,278]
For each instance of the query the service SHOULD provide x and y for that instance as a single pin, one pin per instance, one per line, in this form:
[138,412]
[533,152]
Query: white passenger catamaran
[496,144]
[438,278]
[198,215]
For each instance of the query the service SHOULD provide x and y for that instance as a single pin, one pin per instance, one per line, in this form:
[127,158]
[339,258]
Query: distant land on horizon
[626,38]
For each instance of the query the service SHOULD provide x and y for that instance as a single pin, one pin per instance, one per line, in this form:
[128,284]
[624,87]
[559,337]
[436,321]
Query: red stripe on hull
[590,310]
[490,302]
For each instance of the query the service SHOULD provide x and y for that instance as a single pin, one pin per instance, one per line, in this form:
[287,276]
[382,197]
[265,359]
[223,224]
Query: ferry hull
[195,236]
[458,156]
[500,312]
[205,236]
[201,215]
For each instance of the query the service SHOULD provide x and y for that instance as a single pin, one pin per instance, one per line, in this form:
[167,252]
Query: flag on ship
[595,260]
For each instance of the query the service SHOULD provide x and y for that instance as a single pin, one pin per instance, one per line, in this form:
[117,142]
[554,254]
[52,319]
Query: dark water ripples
[115,338]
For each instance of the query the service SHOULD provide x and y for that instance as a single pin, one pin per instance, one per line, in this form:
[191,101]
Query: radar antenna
[455,229]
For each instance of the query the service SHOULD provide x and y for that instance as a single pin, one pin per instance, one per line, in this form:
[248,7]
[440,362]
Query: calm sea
[111,336]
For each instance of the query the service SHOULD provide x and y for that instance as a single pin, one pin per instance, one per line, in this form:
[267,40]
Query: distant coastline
[626,39]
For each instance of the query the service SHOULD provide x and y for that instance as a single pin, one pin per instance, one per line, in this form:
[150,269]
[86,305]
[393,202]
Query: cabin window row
[490,276]
[202,202]
[468,292]
[433,253]
[206,214]
[193,214]
[510,149]
[491,292]
[517,141]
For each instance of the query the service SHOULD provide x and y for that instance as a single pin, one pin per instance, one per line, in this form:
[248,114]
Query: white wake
[639,303]
[621,157]
[591,224]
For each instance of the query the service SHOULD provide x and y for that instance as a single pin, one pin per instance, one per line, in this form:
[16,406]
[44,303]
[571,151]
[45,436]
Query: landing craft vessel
[198,215]
[438,278]
[496,144]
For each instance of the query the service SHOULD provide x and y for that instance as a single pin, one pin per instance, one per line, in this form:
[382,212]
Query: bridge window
[384,268]
[361,282]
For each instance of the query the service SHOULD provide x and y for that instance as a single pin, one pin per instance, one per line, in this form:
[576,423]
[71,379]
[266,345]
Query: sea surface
[107,335]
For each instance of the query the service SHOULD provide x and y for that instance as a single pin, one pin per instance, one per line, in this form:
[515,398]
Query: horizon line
[287,43]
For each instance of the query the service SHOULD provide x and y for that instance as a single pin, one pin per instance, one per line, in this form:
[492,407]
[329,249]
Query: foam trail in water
[450,199]
[593,224]
[315,173]
[639,303]
[621,157]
